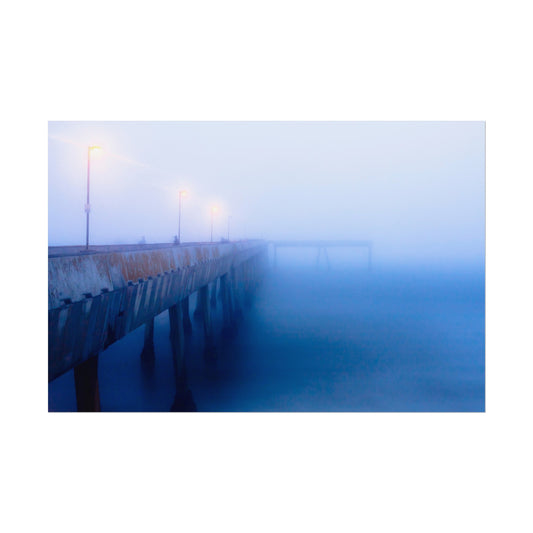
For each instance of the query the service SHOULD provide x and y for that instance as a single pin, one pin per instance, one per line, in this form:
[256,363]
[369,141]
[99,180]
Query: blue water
[343,340]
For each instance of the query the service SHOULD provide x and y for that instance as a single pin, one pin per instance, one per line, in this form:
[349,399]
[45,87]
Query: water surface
[318,340]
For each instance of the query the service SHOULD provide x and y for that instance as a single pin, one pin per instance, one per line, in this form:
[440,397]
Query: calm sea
[317,340]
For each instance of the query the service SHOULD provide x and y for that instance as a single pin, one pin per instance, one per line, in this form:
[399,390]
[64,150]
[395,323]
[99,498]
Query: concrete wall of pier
[97,298]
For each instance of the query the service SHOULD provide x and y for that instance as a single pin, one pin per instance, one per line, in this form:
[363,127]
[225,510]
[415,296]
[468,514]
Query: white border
[269,61]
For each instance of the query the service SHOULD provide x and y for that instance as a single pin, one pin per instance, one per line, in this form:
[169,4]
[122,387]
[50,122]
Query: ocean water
[389,340]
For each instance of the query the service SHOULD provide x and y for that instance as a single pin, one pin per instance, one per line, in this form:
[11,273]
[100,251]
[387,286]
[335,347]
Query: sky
[416,189]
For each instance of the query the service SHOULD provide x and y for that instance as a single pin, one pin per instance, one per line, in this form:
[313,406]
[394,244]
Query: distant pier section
[322,247]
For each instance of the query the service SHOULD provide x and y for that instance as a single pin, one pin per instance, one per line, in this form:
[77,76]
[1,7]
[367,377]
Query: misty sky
[416,189]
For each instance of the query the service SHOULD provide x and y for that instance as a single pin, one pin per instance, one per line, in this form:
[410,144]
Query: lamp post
[229,218]
[214,209]
[181,194]
[88,204]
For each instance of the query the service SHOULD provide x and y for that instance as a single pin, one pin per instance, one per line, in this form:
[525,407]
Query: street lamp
[182,194]
[229,218]
[88,205]
[214,209]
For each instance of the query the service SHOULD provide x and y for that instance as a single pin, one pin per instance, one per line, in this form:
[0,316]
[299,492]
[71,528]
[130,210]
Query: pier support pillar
[229,328]
[319,252]
[187,324]
[236,282]
[183,400]
[86,382]
[213,300]
[209,343]
[248,282]
[148,353]
[198,311]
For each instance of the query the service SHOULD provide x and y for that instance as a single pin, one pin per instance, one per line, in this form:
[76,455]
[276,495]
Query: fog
[416,189]
[364,339]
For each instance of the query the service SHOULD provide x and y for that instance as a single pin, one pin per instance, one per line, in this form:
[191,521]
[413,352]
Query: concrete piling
[183,401]
[236,284]
[198,311]
[187,324]
[324,250]
[213,299]
[148,353]
[86,383]
[229,327]
[209,343]
[248,282]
